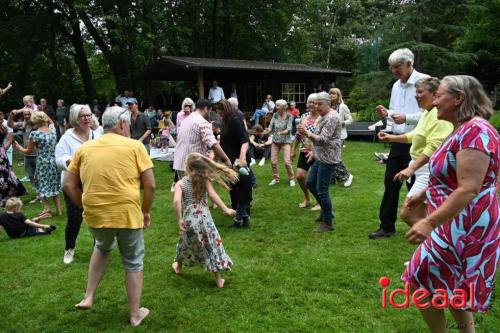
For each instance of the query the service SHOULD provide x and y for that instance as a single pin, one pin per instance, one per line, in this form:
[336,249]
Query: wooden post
[201,86]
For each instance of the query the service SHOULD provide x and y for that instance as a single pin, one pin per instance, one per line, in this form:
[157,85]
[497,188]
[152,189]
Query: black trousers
[399,158]
[241,194]
[257,153]
[74,222]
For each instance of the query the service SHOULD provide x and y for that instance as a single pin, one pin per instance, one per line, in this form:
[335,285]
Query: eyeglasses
[189,106]
[85,116]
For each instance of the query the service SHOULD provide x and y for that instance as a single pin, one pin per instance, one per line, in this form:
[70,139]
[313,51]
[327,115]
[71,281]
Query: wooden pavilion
[253,79]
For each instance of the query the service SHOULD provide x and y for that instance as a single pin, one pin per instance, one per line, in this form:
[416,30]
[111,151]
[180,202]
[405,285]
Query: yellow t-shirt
[110,168]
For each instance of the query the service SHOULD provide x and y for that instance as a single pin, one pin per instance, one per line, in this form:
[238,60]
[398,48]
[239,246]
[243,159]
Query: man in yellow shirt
[112,170]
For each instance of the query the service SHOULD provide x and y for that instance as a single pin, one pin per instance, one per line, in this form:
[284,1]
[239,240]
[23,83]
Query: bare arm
[71,187]
[384,137]
[149,186]
[145,135]
[220,153]
[217,200]
[10,120]
[177,203]
[471,170]
[28,150]
[10,140]
[243,154]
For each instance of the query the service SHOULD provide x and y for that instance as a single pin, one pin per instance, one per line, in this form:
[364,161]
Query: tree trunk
[214,26]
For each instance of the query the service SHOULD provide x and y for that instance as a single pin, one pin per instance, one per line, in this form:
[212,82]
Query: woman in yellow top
[425,139]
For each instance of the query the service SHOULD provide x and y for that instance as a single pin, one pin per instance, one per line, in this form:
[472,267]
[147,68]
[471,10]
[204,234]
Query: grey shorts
[130,242]
[30,166]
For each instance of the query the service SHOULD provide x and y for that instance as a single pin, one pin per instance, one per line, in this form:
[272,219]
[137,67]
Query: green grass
[285,278]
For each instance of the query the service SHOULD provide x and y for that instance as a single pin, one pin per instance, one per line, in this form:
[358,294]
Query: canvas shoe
[274,182]
[292,183]
[262,161]
[252,162]
[69,256]
[348,182]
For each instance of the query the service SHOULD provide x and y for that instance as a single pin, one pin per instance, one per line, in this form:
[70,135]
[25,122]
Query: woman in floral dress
[461,235]
[199,241]
[47,176]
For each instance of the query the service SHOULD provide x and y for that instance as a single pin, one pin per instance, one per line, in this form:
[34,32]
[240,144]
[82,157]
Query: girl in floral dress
[199,240]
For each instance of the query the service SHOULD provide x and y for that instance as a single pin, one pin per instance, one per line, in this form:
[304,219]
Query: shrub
[495,120]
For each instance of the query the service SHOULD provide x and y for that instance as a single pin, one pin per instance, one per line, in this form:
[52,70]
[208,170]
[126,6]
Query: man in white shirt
[216,93]
[404,113]
[267,107]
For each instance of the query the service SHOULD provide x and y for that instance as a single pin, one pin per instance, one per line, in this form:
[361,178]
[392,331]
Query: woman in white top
[341,174]
[80,118]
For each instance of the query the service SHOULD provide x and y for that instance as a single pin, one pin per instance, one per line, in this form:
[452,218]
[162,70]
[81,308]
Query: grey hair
[399,55]
[431,84]
[312,97]
[74,114]
[112,116]
[281,102]
[234,102]
[475,103]
[324,96]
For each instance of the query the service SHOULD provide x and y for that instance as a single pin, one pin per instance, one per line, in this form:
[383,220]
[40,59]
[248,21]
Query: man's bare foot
[85,304]
[220,283]
[177,267]
[142,314]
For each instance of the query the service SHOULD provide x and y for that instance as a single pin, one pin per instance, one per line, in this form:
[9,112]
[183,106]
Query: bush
[495,120]
[369,90]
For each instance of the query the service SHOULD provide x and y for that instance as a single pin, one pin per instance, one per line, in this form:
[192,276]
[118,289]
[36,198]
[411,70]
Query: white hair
[312,97]
[281,102]
[112,116]
[74,113]
[324,96]
[401,55]
[234,102]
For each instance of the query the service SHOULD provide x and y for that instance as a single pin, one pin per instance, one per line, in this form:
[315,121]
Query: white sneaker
[406,263]
[348,182]
[172,188]
[262,161]
[69,256]
[273,182]
[252,162]
[292,183]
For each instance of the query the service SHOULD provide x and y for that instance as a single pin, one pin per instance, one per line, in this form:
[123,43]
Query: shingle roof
[232,64]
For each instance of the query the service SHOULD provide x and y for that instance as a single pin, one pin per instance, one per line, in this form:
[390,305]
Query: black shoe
[323,227]
[246,223]
[381,233]
[236,224]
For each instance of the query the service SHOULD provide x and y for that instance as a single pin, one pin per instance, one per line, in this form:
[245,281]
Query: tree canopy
[80,49]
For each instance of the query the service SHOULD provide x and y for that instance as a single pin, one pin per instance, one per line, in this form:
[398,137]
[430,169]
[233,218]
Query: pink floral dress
[466,249]
[201,243]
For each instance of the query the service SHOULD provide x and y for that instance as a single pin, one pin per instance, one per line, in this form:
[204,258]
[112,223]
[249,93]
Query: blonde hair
[475,102]
[39,117]
[168,122]
[13,203]
[199,169]
[338,92]
[29,98]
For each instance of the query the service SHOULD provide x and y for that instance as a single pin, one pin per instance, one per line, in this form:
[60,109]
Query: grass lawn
[285,278]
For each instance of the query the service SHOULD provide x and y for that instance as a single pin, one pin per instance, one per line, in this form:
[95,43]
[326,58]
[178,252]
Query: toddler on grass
[17,225]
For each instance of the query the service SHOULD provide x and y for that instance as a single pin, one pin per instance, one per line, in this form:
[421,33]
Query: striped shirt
[194,136]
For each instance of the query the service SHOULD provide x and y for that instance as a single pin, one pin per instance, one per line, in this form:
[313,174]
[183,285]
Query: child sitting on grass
[199,240]
[17,225]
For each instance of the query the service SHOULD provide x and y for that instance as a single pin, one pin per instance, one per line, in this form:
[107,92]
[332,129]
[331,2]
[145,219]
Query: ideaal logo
[439,300]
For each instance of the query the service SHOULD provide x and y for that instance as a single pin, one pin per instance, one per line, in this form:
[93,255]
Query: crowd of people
[442,146]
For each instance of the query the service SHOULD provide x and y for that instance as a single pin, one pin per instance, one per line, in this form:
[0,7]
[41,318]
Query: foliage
[495,120]
[369,91]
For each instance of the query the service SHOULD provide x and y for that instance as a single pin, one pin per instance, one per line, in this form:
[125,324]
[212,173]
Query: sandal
[304,204]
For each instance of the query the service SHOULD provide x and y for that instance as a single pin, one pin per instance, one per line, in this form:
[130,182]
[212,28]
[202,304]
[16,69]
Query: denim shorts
[130,242]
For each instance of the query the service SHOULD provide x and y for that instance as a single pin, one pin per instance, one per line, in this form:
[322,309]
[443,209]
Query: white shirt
[67,146]
[216,94]
[403,101]
[268,106]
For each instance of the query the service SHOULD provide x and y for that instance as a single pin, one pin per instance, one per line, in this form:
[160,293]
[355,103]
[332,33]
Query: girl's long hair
[200,169]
